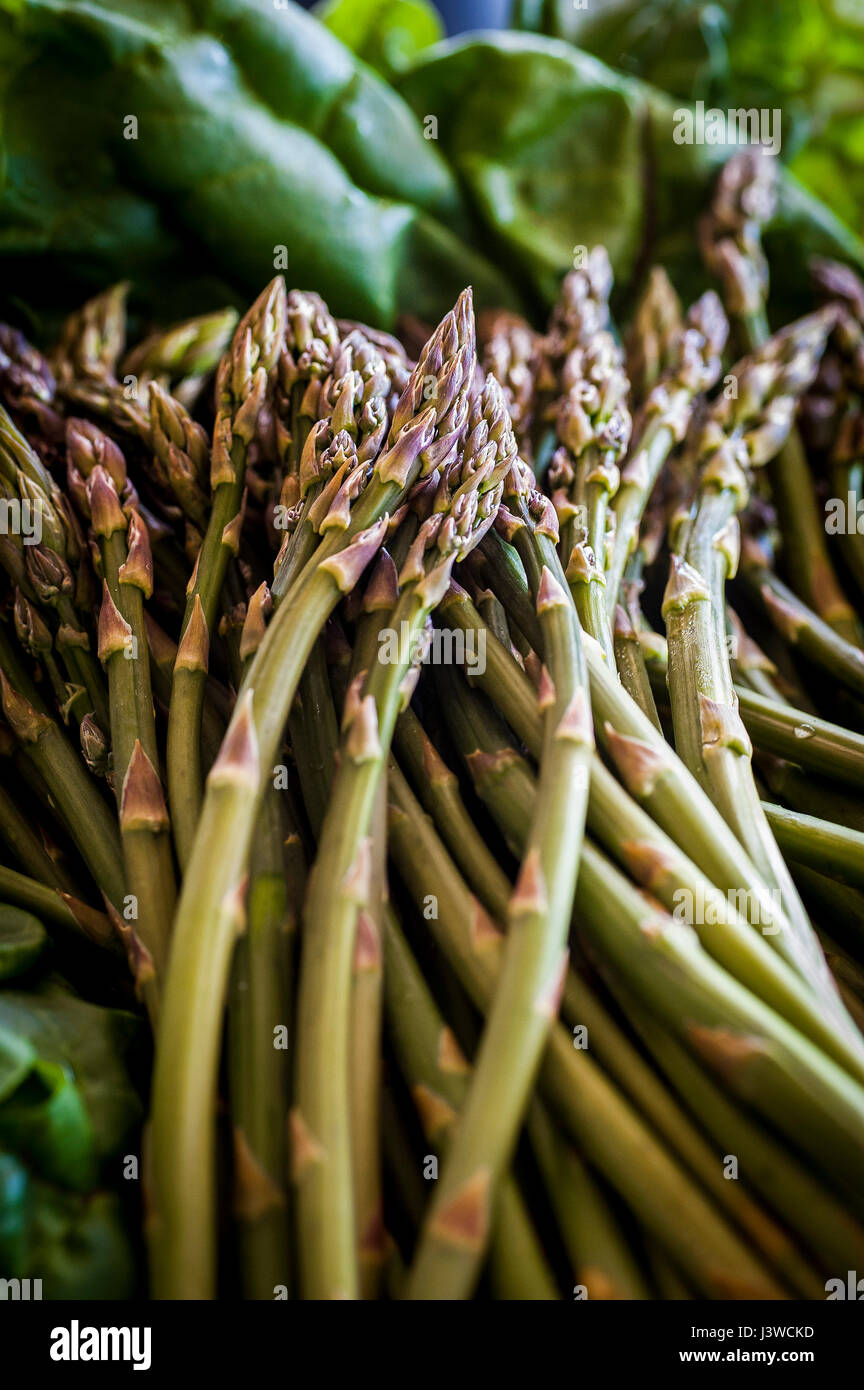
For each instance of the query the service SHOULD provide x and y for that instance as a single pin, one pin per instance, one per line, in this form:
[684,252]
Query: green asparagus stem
[259,1024]
[185,1071]
[28,849]
[731,240]
[127,568]
[84,813]
[242,384]
[662,424]
[651,342]
[339,889]
[55,906]
[438,1076]
[593,1113]
[740,431]
[800,626]
[670,794]
[759,1056]
[602,885]
[447,1263]
[833,1236]
[783,730]
[831,849]
[602,1263]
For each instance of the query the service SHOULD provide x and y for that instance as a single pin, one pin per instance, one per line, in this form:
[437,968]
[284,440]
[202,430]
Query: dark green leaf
[806,59]
[76,1245]
[42,1115]
[269,145]
[557,151]
[90,1045]
[22,940]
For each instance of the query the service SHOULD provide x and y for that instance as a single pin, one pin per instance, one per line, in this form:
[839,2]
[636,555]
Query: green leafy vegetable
[228,136]
[42,1115]
[806,59]
[76,1245]
[386,34]
[22,940]
[59,1036]
[558,152]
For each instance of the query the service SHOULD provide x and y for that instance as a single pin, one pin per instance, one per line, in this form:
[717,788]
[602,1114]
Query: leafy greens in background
[557,151]
[75,1244]
[386,34]
[804,57]
[257,129]
[68,1109]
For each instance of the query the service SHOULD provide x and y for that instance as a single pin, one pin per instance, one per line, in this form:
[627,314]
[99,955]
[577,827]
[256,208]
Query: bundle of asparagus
[483,863]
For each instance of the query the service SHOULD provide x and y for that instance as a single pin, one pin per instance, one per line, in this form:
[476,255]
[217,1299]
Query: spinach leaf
[77,1245]
[386,34]
[557,151]
[226,137]
[67,1061]
[805,59]
[42,1115]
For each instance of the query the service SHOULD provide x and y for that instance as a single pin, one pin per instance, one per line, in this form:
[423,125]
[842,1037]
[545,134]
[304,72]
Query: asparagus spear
[127,568]
[731,240]
[741,431]
[464,506]
[438,1075]
[538,916]
[832,849]
[259,1021]
[662,423]
[482,742]
[651,341]
[663,785]
[54,905]
[593,1113]
[242,383]
[799,625]
[600,1259]
[48,566]
[785,1183]
[421,436]
[84,813]
[779,728]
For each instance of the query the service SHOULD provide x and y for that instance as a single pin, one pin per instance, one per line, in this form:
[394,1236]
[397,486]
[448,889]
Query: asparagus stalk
[339,890]
[538,917]
[28,848]
[782,729]
[55,906]
[127,570]
[786,1183]
[260,1022]
[593,1113]
[800,626]
[241,387]
[763,1060]
[666,789]
[740,431]
[47,569]
[651,342]
[76,796]
[438,1075]
[731,239]
[831,849]
[602,1264]
[185,1070]
[662,423]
